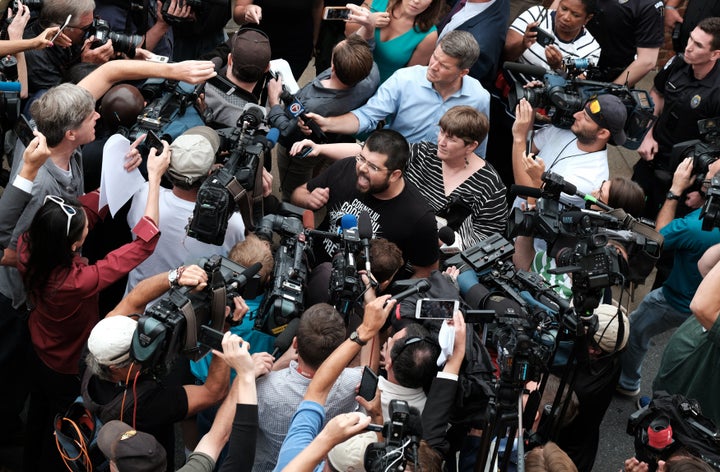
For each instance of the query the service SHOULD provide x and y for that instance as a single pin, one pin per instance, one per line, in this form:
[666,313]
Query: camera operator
[48,67]
[112,375]
[692,354]
[192,158]
[669,306]
[248,59]
[578,154]
[683,93]
[299,448]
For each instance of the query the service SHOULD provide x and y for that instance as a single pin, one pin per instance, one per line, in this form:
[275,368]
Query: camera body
[704,151]
[232,186]
[9,92]
[564,95]
[402,439]
[171,325]
[284,300]
[122,43]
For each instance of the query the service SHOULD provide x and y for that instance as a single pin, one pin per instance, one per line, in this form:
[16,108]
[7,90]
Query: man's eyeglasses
[67,209]
[362,161]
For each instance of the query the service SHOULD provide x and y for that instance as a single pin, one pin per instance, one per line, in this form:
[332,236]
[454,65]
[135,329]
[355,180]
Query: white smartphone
[435,309]
[156,58]
[336,13]
[67,22]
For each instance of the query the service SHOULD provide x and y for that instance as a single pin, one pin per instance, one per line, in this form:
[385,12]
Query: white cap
[111,338]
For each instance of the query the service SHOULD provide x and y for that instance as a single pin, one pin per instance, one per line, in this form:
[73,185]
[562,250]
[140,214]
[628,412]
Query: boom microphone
[284,339]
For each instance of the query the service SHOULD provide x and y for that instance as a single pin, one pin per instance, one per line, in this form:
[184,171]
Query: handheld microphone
[268,141]
[308,219]
[348,221]
[297,110]
[451,239]
[284,339]
[366,233]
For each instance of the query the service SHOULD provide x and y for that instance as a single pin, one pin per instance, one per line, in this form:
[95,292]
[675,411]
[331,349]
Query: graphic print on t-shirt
[354,207]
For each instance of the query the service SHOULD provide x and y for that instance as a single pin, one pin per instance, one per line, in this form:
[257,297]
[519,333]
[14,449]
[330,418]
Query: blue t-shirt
[259,341]
[305,425]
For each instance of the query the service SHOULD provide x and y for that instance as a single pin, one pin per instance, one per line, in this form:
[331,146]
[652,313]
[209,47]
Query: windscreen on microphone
[525,69]
[414,423]
[364,225]
[284,339]
[447,235]
[308,219]
[524,191]
[249,273]
[348,221]
[423,285]
[272,136]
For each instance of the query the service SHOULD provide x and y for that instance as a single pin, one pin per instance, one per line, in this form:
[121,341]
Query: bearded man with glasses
[373,182]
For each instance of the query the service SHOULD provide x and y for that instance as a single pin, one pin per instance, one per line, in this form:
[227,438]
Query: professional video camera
[199,7]
[167,100]
[121,42]
[9,92]
[402,433]
[710,212]
[172,324]
[564,95]
[284,301]
[579,240]
[238,183]
[670,424]
[704,151]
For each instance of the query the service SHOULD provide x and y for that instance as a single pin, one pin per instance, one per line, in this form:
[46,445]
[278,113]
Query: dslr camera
[124,43]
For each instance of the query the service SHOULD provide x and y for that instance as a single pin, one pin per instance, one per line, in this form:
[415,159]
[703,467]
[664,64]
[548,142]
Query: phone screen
[435,309]
[153,141]
[336,13]
[368,384]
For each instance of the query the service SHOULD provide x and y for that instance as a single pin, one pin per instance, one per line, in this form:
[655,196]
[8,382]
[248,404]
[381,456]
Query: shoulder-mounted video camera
[237,185]
[402,433]
[704,151]
[563,95]
[171,325]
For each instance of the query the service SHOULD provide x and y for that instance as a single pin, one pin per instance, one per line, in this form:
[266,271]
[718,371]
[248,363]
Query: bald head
[121,105]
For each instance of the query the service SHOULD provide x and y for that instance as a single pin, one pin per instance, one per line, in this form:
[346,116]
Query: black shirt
[622,27]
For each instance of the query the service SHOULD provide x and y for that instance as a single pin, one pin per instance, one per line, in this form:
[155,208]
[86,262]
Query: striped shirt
[483,192]
[583,46]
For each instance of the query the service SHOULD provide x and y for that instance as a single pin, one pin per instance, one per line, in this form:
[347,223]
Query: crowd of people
[408,127]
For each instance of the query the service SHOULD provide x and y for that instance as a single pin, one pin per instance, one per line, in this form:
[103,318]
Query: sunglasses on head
[70,211]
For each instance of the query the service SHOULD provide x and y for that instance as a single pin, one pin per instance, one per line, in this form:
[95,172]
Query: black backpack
[690,430]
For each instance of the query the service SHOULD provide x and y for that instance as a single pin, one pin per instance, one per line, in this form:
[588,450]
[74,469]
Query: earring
[467,163]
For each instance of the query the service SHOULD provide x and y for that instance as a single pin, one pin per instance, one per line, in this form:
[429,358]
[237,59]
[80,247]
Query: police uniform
[622,26]
[687,100]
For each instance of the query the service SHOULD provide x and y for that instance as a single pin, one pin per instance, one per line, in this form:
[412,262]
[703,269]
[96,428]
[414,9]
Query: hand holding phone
[336,13]
[24,130]
[59,32]
[435,309]
[368,384]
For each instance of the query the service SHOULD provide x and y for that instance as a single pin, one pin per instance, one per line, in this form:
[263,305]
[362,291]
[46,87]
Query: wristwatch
[672,196]
[355,337]
[174,277]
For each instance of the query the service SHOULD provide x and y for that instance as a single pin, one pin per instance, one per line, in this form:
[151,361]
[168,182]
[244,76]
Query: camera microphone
[247,274]
[524,191]
[284,339]
[451,240]
[423,285]
[366,233]
[525,69]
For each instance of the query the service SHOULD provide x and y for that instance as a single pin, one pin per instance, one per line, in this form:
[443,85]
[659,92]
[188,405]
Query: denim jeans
[653,316]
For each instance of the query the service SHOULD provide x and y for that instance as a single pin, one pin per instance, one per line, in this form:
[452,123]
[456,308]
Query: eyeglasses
[67,209]
[363,161]
[84,29]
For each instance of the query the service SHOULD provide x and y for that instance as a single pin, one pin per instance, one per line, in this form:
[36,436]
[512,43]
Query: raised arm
[705,305]
[101,79]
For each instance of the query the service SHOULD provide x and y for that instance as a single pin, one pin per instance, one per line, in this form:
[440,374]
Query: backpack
[76,438]
[691,430]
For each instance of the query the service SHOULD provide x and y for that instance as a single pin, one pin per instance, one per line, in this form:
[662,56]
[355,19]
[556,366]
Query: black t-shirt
[47,67]
[405,220]
[687,100]
[158,408]
[622,27]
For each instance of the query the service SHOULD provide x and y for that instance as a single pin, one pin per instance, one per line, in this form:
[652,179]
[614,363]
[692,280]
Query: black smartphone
[368,384]
[544,38]
[210,337]
[24,130]
[153,141]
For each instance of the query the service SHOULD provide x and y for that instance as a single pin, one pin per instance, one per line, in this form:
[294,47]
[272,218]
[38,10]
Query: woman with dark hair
[404,31]
[63,295]
[566,24]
